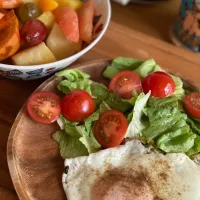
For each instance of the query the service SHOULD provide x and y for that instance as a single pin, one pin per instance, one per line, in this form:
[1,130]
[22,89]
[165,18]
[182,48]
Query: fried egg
[132,172]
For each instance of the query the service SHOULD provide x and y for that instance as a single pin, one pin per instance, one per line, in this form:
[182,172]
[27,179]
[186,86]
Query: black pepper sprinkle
[66,169]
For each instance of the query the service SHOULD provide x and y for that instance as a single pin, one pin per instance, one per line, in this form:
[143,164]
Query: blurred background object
[153,20]
[186,30]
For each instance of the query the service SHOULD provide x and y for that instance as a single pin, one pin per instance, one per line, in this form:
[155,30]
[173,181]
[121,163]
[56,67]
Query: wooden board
[33,157]
[119,40]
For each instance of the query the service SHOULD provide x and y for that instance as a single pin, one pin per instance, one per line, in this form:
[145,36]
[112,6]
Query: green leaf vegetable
[162,120]
[196,148]
[136,126]
[104,100]
[70,147]
[168,127]
[78,134]
[119,64]
[143,68]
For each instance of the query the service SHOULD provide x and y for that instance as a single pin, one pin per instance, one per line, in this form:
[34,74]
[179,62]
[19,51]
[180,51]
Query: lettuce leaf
[99,92]
[160,120]
[136,126]
[143,68]
[147,67]
[73,133]
[168,127]
[122,63]
[162,107]
[70,147]
[164,116]
[90,143]
[115,102]
[160,127]
[196,148]
[95,116]
[73,75]
[119,64]
[178,141]
[67,86]
[179,91]
[195,125]
[77,137]
[155,102]
[70,127]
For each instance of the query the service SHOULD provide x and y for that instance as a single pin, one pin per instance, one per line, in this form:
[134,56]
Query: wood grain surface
[33,156]
[119,40]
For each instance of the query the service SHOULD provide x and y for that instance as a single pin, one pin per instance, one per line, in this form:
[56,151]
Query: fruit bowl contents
[35,32]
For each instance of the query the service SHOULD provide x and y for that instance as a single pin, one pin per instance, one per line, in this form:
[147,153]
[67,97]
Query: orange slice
[47,5]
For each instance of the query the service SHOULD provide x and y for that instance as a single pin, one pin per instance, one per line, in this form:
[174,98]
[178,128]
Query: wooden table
[120,40]
[153,20]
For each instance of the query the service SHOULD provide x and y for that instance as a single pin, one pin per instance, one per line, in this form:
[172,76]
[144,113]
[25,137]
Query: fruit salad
[36,32]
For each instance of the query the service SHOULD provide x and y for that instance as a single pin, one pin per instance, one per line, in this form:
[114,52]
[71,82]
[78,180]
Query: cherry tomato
[77,105]
[161,84]
[110,129]
[33,32]
[192,104]
[124,82]
[44,107]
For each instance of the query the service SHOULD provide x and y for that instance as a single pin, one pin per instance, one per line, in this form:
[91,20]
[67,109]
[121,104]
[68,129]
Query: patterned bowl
[102,8]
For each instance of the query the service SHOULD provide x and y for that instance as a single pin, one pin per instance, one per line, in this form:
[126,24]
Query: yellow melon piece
[47,18]
[35,55]
[75,4]
[59,45]
[30,1]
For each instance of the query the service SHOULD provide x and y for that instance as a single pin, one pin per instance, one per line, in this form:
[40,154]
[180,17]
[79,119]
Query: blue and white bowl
[103,8]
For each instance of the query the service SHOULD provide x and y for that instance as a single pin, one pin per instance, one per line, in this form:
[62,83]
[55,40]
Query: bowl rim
[75,56]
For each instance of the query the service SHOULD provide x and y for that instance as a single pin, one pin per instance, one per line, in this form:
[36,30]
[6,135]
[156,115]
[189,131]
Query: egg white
[132,171]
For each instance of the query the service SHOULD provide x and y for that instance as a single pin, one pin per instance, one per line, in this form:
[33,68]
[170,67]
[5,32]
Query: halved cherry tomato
[67,19]
[77,105]
[161,84]
[192,104]
[44,107]
[86,15]
[124,82]
[110,129]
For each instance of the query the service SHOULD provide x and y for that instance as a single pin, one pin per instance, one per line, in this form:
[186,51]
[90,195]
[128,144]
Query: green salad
[142,102]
